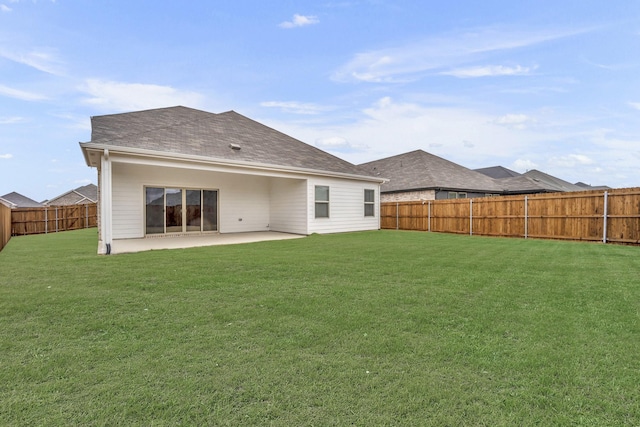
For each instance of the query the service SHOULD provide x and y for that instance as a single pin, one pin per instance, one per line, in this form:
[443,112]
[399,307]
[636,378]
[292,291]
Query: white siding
[249,199]
[289,205]
[346,206]
[243,200]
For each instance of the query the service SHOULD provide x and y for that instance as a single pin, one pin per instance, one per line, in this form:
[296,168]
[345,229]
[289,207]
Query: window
[369,202]
[322,201]
[456,195]
[179,210]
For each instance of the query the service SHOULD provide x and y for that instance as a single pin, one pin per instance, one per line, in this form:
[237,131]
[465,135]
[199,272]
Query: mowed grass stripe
[372,328]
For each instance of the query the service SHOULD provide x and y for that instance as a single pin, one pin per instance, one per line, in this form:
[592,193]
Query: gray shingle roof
[187,131]
[550,182]
[497,172]
[85,194]
[17,200]
[418,170]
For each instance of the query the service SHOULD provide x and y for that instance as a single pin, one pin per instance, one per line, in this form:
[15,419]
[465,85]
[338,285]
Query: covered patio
[121,246]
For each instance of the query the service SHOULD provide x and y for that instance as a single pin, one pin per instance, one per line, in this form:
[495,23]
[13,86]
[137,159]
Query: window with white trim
[456,195]
[369,202]
[322,201]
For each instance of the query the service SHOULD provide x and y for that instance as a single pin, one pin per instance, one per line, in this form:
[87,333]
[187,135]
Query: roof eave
[89,146]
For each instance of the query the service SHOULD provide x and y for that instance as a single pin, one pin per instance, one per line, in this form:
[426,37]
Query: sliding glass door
[179,210]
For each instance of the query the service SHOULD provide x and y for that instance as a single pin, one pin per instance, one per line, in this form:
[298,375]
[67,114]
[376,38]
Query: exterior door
[180,210]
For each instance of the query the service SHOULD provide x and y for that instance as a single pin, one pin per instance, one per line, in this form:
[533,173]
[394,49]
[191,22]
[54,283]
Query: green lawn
[367,329]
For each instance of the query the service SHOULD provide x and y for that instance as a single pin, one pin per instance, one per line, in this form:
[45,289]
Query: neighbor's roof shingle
[418,169]
[551,182]
[17,200]
[497,172]
[183,130]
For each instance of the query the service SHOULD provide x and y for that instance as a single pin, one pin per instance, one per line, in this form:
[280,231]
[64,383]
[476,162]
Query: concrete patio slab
[175,242]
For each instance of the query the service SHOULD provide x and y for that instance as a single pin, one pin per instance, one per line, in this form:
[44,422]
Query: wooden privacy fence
[53,219]
[596,215]
[5,225]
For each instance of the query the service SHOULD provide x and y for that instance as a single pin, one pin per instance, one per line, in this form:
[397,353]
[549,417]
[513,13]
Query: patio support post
[106,204]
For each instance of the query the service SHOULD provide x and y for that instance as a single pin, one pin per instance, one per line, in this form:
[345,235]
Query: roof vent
[234,146]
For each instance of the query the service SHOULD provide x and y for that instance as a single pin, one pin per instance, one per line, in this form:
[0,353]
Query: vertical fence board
[570,216]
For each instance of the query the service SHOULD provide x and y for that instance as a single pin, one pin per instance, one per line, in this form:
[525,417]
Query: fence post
[397,224]
[471,217]
[56,219]
[86,216]
[429,220]
[604,217]
[526,216]
[46,220]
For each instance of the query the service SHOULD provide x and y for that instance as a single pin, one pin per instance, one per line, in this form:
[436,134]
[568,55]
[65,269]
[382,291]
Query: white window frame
[322,202]
[371,204]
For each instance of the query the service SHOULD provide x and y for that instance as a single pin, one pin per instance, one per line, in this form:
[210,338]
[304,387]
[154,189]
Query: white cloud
[117,96]
[635,105]
[44,60]
[6,156]
[523,165]
[339,145]
[11,120]
[300,21]
[5,8]
[489,71]
[296,107]
[20,94]
[388,128]
[409,61]
[570,160]
[515,121]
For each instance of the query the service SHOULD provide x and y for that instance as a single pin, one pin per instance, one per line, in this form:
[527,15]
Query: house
[17,200]
[182,171]
[418,175]
[80,196]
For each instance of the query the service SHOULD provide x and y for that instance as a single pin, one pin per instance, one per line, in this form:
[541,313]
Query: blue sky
[547,85]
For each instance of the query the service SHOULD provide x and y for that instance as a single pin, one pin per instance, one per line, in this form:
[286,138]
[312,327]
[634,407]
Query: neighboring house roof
[229,138]
[419,170]
[17,200]
[592,187]
[550,182]
[532,181]
[497,172]
[81,195]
